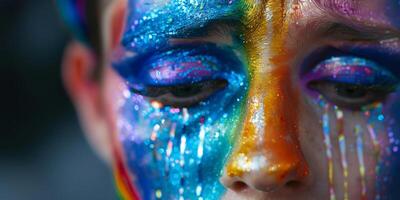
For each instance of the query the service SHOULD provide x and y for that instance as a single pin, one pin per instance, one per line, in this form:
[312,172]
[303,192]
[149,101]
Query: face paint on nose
[269,138]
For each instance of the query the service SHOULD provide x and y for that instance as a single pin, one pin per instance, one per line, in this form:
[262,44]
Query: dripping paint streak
[200,151]
[342,148]
[170,146]
[360,155]
[182,164]
[328,145]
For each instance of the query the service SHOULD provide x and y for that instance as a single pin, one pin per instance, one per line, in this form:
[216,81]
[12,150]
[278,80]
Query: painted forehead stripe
[151,23]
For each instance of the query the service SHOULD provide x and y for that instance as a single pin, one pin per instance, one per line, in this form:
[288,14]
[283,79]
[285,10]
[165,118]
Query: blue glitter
[179,152]
[151,23]
[190,158]
[178,65]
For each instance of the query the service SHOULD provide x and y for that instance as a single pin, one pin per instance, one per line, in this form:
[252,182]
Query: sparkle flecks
[342,149]
[180,152]
[326,130]
[361,163]
[270,91]
[380,163]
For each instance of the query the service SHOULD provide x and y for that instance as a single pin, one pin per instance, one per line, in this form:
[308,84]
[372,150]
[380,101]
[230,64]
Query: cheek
[391,158]
[354,154]
[172,151]
[312,143]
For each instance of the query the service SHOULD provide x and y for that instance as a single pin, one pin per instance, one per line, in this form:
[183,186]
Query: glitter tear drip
[188,152]
[361,163]
[342,149]
[372,114]
[326,130]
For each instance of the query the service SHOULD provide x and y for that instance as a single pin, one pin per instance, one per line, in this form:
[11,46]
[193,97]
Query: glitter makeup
[361,163]
[359,72]
[173,19]
[181,127]
[176,130]
[279,136]
[326,130]
[342,149]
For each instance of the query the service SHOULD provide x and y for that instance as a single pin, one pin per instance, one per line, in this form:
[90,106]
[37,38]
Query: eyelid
[225,58]
[379,77]
[384,57]
[352,70]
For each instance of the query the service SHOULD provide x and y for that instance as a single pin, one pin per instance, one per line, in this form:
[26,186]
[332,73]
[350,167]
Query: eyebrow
[351,10]
[357,32]
[153,29]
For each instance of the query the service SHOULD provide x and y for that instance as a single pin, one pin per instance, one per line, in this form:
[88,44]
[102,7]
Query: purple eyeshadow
[351,70]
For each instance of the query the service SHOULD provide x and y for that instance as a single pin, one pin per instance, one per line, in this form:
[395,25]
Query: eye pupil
[350,91]
[187,90]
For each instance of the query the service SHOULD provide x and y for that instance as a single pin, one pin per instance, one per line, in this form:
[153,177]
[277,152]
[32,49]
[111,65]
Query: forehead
[376,11]
[340,7]
[150,22]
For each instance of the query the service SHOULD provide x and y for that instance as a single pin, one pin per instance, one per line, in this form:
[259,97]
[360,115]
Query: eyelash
[185,67]
[194,71]
[351,82]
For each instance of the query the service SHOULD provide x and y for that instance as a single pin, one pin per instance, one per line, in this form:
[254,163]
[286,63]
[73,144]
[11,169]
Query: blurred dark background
[43,154]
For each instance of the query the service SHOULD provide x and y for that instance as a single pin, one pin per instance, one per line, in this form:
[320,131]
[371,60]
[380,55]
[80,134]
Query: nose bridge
[280,139]
[269,137]
[268,141]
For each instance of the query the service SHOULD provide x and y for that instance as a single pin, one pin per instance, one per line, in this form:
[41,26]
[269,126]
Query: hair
[92,15]
[83,20]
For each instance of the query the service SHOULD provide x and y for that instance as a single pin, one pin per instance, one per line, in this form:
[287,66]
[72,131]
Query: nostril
[239,186]
[293,184]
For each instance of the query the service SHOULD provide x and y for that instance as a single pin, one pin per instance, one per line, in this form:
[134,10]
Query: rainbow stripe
[125,189]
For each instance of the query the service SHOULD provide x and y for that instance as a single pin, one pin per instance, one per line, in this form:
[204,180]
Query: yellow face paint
[272,113]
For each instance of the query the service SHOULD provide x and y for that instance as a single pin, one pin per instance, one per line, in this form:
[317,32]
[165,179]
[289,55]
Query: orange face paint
[273,93]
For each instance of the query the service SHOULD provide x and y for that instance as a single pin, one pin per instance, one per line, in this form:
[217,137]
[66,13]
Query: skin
[277,123]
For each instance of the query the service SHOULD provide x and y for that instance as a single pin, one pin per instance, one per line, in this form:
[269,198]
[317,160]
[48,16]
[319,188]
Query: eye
[351,96]
[351,82]
[184,76]
[183,95]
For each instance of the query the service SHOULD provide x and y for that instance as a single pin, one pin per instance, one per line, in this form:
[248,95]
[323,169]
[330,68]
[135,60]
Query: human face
[243,99]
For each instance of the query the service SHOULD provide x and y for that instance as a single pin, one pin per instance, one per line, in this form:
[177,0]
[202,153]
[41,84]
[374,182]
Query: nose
[266,181]
[267,156]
